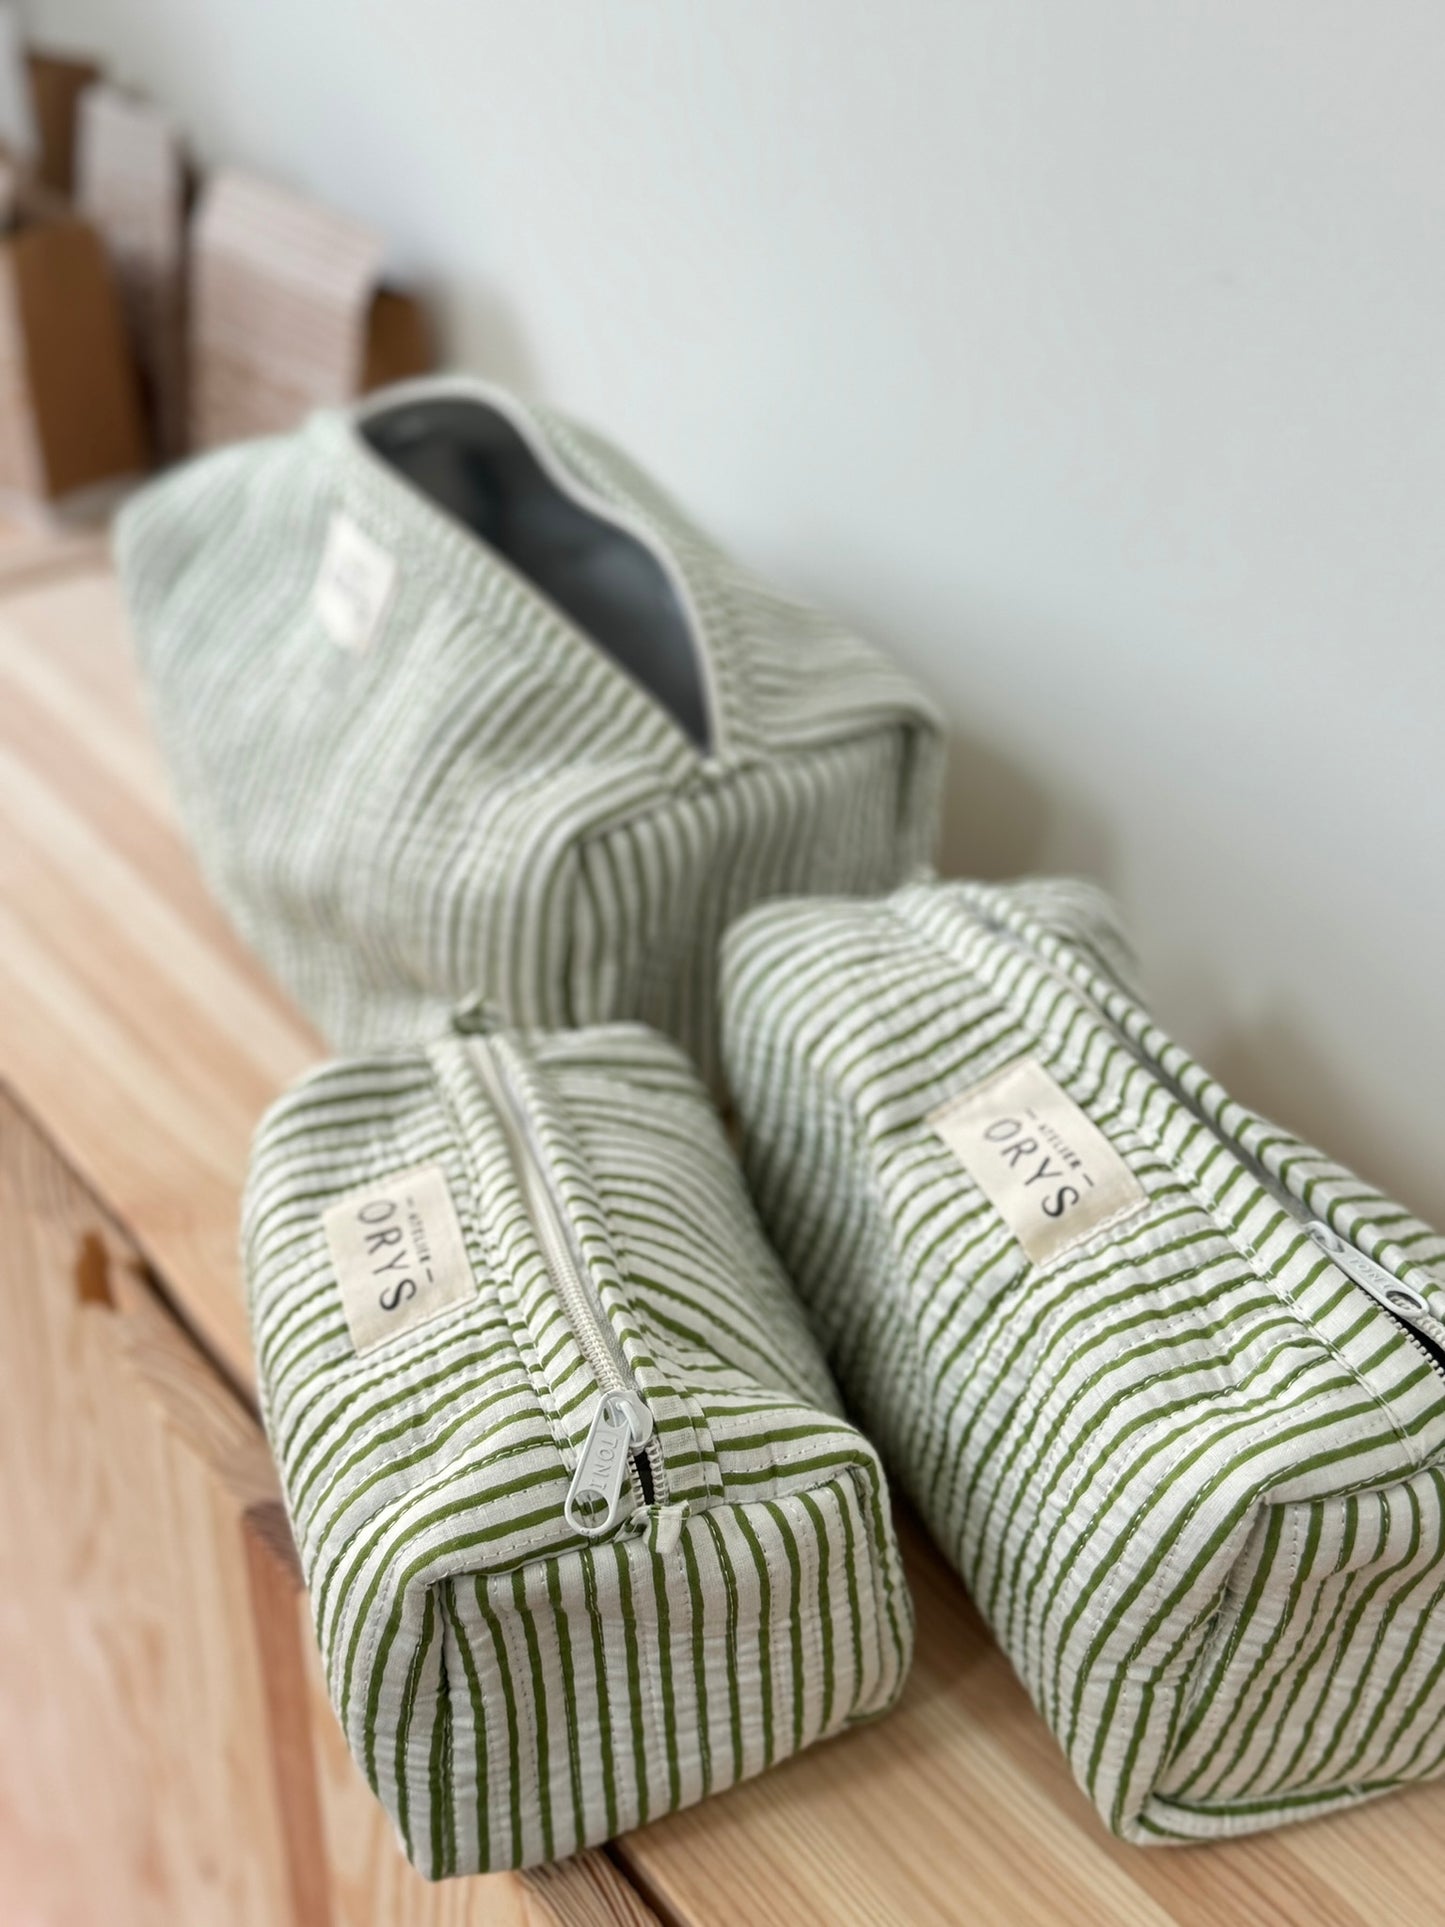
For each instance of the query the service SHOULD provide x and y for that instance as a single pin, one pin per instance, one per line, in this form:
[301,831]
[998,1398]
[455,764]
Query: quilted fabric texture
[476,796]
[515,1688]
[1192,1464]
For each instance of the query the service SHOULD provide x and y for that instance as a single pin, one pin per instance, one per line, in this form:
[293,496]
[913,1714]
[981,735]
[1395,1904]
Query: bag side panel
[587,1694]
[657,890]
[1324,1682]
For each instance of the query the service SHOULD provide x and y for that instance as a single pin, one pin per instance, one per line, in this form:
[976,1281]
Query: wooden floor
[137,1029]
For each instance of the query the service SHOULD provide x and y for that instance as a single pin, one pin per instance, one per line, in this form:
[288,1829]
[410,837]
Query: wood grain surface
[135,1025]
[128,1627]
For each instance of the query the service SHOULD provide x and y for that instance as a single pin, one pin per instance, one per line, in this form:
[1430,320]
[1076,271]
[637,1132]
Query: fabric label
[353,585]
[399,1256]
[1052,1175]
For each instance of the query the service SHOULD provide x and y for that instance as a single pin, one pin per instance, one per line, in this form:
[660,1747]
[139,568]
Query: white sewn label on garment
[353,585]
[399,1255]
[1051,1174]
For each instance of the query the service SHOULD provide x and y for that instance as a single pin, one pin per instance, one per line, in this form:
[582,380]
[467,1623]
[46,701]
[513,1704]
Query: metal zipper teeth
[1419,1324]
[595,1337]
[1407,1306]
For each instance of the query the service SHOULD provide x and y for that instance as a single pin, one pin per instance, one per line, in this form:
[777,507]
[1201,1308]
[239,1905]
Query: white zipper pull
[621,1425]
[1383,1286]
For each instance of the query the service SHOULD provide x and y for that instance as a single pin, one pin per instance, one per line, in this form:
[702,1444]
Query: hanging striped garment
[454,699]
[1167,1383]
[584,1535]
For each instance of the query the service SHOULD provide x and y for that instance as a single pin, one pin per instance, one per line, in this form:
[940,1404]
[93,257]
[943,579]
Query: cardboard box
[70,414]
[56,86]
[398,340]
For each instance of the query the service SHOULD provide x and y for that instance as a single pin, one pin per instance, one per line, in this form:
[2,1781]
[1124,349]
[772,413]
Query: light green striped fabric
[1193,1473]
[480,798]
[512,1689]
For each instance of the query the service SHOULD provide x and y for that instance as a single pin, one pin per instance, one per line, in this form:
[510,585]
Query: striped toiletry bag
[1165,1381]
[584,1534]
[454,699]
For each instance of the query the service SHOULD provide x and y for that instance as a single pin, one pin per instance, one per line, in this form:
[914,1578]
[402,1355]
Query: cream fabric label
[1052,1176]
[399,1256]
[353,585]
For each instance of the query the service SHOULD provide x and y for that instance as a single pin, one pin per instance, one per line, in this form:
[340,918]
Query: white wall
[1088,355]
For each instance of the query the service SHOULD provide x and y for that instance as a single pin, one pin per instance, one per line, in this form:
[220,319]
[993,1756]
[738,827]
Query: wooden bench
[167,1754]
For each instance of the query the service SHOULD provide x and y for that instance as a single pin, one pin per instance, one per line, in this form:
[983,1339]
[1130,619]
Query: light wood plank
[133,1020]
[36,545]
[134,1721]
[587,1891]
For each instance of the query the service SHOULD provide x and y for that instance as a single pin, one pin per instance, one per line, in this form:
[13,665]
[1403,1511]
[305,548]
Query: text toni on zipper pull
[621,1424]
[1383,1286]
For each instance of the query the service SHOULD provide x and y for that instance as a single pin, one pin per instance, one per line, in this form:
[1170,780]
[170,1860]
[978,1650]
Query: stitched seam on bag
[1422,1657]
[709,1462]
[1158,1586]
[1099,1608]
[1343,1492]
[719,778]
[1242,1635]
[872,1493]
[502,1281]
[519,1550]
[623,1284]
[1257,1266]
[659,1342]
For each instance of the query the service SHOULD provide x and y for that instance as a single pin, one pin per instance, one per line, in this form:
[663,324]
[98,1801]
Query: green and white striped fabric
[412,775]
[554,1224]
[1189,1457]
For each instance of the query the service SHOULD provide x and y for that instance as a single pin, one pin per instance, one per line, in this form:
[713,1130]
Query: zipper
[597,505]
[620,1437]
[605,511]
[1403,1302]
